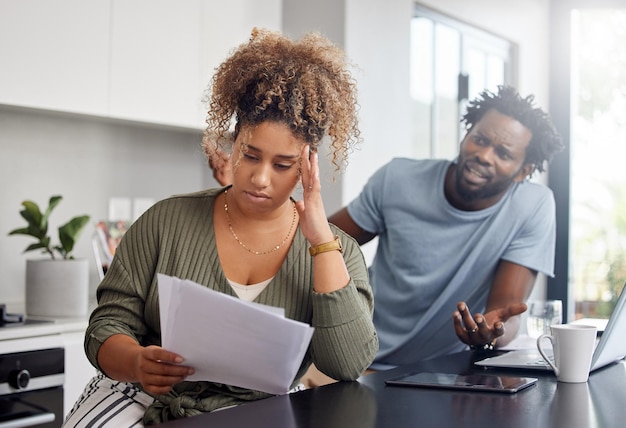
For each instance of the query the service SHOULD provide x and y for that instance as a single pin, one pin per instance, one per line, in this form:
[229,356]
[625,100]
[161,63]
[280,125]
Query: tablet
[471,382]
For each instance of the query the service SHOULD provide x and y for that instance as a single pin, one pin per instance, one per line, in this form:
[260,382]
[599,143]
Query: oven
[31,388]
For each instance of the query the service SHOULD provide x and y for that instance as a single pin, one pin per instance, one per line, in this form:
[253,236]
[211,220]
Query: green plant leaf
[22,231]
[36,246]
[69,232]
[37,225]
[54,201]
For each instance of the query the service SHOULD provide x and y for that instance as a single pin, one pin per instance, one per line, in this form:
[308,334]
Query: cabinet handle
[28,421]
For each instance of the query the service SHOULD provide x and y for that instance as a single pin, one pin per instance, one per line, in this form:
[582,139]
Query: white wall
[378,42]
[87,161]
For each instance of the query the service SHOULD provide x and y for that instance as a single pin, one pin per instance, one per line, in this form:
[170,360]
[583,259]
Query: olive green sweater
[176,237]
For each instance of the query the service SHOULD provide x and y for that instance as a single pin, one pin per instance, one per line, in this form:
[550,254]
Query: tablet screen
[472,382]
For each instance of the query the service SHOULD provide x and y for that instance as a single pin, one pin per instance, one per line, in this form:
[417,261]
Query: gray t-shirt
[431,255]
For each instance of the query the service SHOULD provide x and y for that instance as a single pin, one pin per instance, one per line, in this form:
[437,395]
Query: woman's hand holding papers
[157,369]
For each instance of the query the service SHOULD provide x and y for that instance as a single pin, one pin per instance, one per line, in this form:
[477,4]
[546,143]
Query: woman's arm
[345,341]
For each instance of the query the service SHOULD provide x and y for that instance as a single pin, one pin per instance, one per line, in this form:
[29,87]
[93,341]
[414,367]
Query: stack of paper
[227,340]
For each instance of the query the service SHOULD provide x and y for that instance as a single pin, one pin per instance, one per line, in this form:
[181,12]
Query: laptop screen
[612,345]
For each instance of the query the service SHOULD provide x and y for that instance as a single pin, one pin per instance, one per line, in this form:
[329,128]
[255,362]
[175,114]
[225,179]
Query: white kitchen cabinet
[229,25]
[78,369]
[155,61]
[137,60]
[141,60]
[55,54]
[164,53]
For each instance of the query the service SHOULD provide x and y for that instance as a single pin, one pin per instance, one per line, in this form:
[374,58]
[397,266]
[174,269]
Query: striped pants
[108,403]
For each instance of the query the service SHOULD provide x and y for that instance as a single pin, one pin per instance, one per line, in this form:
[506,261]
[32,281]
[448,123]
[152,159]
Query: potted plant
[57,286]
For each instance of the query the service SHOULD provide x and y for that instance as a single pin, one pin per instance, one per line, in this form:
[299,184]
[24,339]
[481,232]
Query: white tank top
[249,292]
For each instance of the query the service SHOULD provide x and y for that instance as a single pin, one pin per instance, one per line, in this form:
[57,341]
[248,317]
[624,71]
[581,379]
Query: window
[590,180]
[451,63]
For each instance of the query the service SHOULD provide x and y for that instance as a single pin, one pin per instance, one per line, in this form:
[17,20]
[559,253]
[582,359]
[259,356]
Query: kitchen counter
[42,333]
[34,327]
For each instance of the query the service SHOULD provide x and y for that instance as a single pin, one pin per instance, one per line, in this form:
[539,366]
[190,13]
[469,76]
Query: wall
[87,161]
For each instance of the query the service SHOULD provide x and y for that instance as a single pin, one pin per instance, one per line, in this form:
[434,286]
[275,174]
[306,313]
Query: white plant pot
[57,288]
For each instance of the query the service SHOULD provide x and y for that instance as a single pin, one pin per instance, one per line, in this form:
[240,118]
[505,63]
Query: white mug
[572,346]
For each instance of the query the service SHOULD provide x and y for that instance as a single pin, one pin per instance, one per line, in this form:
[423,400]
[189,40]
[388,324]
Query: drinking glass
[541,315]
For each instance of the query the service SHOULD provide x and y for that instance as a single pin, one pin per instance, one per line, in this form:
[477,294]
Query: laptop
[610,347]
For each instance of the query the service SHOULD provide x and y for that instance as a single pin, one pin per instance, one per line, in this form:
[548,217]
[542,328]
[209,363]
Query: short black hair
[545,141]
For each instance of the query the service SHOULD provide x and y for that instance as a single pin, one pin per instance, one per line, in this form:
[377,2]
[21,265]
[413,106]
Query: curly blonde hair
[304,84]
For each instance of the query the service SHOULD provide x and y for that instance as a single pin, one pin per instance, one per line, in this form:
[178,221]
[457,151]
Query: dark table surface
[369,402]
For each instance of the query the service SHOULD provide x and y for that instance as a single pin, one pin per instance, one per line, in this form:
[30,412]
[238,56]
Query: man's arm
[343,220]
[512,284]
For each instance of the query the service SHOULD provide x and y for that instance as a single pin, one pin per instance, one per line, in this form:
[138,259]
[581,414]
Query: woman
[249,239]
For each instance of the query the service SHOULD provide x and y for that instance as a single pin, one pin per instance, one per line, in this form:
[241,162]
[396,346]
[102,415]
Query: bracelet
[489,346]
[327,246]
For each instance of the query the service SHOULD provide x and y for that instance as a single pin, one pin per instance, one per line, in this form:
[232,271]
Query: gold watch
[326,246]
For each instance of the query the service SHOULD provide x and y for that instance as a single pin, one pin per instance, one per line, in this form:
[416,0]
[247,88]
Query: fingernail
[178,359]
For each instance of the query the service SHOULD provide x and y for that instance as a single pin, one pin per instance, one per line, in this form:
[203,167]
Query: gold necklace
[258,253]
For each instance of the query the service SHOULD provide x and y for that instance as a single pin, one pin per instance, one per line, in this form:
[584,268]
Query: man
[472,233]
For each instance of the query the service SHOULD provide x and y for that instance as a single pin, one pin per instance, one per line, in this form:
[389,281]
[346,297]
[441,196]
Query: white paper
[227,340]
